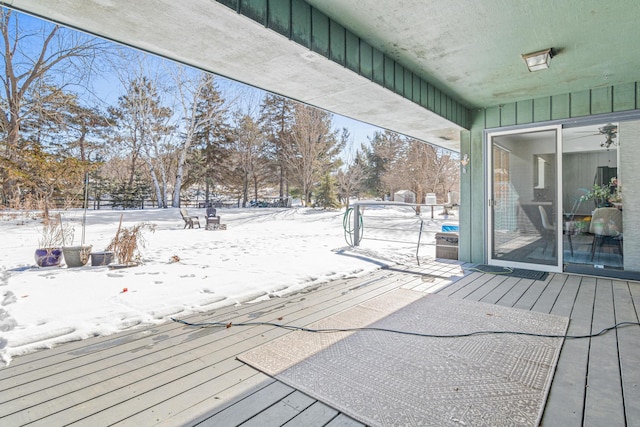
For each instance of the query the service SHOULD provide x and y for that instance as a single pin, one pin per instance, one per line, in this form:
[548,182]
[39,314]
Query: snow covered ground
[263,253]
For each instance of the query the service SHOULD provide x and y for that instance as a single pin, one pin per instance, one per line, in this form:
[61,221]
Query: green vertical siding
[524,112]
[417,89]
[312,29]
[279,17]
[541,109]
[560,106]
[337,43]
[408,85]
[624,97]
[378,67]
[389,73]
[463,114]
[508,115]
[424,94]
[301,26]
[447,107]
[398,80]
[233,4]
[366,60]
[492,117]
[596,101]
[254,9]
[472,191]
[602,100]
[431,97]
[580,104]
[437,101]
[319,32]
[352,53]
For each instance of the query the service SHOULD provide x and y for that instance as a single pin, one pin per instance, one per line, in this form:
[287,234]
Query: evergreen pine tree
[327,196]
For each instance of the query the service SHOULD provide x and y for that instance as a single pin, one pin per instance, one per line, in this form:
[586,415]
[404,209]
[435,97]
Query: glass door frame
[489,200]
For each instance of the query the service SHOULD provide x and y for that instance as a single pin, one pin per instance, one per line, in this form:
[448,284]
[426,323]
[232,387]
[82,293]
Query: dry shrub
[54,234]
[23,208]
[127,241]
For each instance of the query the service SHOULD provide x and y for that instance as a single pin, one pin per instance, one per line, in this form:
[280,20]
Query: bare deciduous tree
[193,92]
[406,163]
[141,122]
[52,54]
[351,179]
[313,149]
[249,155]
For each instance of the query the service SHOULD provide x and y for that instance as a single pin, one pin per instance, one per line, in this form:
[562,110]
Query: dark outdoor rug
[388,379]
[510,272]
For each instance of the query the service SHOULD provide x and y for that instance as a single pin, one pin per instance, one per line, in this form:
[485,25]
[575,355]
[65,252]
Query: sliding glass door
[523,206]
[592,195]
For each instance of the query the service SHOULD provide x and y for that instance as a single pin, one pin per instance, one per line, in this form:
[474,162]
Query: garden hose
[348,229]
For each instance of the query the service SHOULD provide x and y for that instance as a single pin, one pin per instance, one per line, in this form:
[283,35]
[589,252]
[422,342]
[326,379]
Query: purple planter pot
[48,257]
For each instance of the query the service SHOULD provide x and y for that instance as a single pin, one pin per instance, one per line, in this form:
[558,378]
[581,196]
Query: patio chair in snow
[189,220]
[213,220]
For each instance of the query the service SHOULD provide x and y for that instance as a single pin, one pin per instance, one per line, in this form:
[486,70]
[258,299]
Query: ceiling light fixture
[538,60]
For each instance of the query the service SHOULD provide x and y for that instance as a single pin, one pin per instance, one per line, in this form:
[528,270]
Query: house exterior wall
[562,107]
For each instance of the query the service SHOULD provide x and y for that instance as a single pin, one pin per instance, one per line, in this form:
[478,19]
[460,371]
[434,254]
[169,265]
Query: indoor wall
[629,134]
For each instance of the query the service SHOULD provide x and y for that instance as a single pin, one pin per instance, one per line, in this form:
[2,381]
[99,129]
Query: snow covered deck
[177,375]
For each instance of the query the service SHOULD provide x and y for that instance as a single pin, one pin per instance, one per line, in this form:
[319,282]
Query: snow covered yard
[264,253]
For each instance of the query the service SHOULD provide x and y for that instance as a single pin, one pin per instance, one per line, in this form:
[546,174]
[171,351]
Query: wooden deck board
[128,355]
[565,403]
[482,291]
[466,285]
[500,291]
[194,413]
[247,408]
[317,414]
[628,339]
[171,374]
[604,391]
[282,412]
[174,378]
[531,295]
[127,363]
[49,358]
[343,421]
[550,294]
[566,299]
[154,397]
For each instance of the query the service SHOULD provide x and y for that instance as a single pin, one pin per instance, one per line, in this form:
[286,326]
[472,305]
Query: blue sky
[108,88]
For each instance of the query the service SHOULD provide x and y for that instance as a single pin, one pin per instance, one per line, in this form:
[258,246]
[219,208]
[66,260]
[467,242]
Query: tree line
[173,132]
